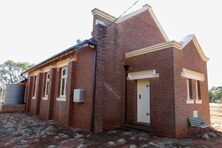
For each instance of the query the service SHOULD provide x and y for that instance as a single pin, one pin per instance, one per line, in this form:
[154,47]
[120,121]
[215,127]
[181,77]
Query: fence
[216,113]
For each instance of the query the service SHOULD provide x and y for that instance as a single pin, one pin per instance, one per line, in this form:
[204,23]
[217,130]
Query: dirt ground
[20,130]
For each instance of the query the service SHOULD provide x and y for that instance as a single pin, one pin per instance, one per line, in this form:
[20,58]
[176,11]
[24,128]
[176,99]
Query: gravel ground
[20,130]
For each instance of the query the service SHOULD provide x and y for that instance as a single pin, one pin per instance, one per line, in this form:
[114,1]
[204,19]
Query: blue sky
[34,30]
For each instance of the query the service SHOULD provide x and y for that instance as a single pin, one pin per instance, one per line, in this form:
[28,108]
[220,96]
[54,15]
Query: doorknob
[139,96]
[147,114]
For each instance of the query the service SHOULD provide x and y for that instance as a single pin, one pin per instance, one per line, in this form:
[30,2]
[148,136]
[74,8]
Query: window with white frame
[63,81]
[189,89]
[198,93]
[34,87]
[47,84]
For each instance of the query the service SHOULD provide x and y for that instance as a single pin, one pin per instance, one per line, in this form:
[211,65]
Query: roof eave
[90,42]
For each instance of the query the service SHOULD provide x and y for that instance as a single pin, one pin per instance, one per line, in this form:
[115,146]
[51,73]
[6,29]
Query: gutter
[126,67]
[94,91]
[23,76]
[75,47]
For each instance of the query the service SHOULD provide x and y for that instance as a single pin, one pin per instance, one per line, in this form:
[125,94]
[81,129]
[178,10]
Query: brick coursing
[161,90]
[52,92]
[39,88]
[190,59]
[129,35]
[83,79]
[69,93]
[169,111]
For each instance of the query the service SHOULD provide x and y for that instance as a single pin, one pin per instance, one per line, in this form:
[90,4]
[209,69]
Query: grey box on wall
[79,95]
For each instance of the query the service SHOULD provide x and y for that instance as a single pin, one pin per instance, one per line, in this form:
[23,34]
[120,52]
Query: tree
[10,72]
[215,94]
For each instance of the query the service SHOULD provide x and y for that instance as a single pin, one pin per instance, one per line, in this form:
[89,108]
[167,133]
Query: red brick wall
[8,108]
[80,75]
[58,106]
[45,111]
[44,104]
[83,79]
[134,33]
[39,92]
[139,32]
[161,90]
[167,92]
[190,59]
[29,93]
[32,101]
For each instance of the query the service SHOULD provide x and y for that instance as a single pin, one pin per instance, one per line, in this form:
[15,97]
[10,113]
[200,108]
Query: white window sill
[33,98]
[190,101]
[198,101]
[62,98]
[45,98]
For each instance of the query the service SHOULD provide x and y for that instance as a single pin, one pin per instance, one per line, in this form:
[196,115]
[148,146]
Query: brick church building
[128,73]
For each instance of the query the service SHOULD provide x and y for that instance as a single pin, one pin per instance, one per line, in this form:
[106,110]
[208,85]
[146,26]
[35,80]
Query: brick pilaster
[51,95]
[69,93]
[29,93]
[38,92]
[100,78]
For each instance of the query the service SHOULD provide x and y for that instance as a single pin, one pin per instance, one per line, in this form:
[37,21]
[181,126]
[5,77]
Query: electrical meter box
[79,95]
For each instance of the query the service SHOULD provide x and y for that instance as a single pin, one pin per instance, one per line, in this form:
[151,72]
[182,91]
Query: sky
[31,31]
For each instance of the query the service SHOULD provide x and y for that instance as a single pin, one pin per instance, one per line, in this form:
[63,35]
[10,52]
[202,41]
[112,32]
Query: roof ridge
[134,13]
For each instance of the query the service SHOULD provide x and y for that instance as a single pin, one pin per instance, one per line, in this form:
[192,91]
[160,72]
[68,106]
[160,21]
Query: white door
[143,101]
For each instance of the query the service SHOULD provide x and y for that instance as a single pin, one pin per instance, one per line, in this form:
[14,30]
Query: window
[189,88]
[198,90]
[198,93]
[47,84]
[34,86]
[63,82]
[189,91]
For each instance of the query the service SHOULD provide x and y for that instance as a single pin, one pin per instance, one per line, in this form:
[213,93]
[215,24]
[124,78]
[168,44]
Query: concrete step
[141,127]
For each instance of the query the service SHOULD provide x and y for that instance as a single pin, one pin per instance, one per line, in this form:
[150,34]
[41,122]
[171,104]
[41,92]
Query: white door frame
[143,101]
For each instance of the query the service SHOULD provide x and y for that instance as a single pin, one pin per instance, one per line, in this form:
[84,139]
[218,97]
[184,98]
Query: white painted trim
[147,8]
[47,80]
[190,74]
[103,14]
[196,89]
[142,75]
[63,98]
[62,63]
[35,73]
[34,97]
[188,90]
[153,48]
[195,113]
[198,98]
[128,16]
[193,38]
[198,101]
[100,22]
[169,44]
[65,83]
[158,25]
[45,98]
[59,64]
[190,101]
[46,69]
